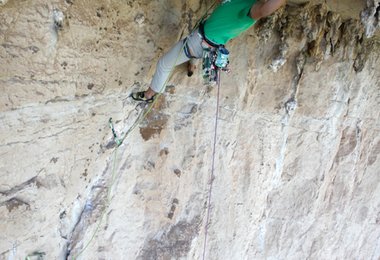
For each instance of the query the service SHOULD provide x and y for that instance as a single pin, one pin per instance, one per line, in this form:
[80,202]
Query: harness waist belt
[202,32]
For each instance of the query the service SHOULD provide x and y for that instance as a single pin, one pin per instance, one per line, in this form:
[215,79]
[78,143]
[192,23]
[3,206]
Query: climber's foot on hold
[140,96]
[190,69]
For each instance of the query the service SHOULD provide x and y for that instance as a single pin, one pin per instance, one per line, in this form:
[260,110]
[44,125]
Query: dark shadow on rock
[174,243]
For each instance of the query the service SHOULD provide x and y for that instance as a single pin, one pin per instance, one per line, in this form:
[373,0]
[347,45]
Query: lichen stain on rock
[164,152]
[173,208]
[374,154]
[154,128]
[347,144]
[15,203]
[325,32]
[155,121]
[173,244]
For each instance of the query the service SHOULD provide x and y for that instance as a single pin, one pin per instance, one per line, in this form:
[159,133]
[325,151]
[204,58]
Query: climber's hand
[262,9]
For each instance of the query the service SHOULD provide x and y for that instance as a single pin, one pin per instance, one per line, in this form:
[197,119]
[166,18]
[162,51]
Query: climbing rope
[140,118]
[119,140]
[212,175]
[108,200]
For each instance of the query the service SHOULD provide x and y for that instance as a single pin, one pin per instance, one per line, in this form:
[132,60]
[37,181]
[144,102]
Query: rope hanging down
[119,140]
[212,175]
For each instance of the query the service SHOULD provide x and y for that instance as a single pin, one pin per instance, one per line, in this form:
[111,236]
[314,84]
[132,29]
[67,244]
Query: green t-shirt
[228,20]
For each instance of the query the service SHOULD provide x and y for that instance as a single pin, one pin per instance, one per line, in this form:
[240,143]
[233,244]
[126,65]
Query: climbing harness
[215,56]
[214,60]
[222,58]
[143,115]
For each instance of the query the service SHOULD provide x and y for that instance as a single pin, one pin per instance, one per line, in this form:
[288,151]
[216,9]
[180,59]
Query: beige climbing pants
[175,56]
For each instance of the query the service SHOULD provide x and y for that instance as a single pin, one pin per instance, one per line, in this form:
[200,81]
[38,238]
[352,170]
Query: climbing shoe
[140,96]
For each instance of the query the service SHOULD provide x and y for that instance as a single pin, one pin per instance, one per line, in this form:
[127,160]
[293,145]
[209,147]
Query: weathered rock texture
[297,161]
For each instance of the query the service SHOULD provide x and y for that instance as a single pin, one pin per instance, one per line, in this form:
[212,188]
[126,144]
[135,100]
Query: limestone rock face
[296,172]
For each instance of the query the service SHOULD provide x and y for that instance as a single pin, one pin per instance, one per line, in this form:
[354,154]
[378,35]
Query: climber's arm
[262,9]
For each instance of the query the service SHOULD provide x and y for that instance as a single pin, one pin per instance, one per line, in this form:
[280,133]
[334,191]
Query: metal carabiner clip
[115,138]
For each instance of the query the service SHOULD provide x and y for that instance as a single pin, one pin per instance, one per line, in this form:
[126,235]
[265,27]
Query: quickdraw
[214,59]
[117,140]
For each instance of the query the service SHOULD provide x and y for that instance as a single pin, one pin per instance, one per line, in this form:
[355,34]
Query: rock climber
[229,19]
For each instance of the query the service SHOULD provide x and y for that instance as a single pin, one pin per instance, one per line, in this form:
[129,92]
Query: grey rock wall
[297,153]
